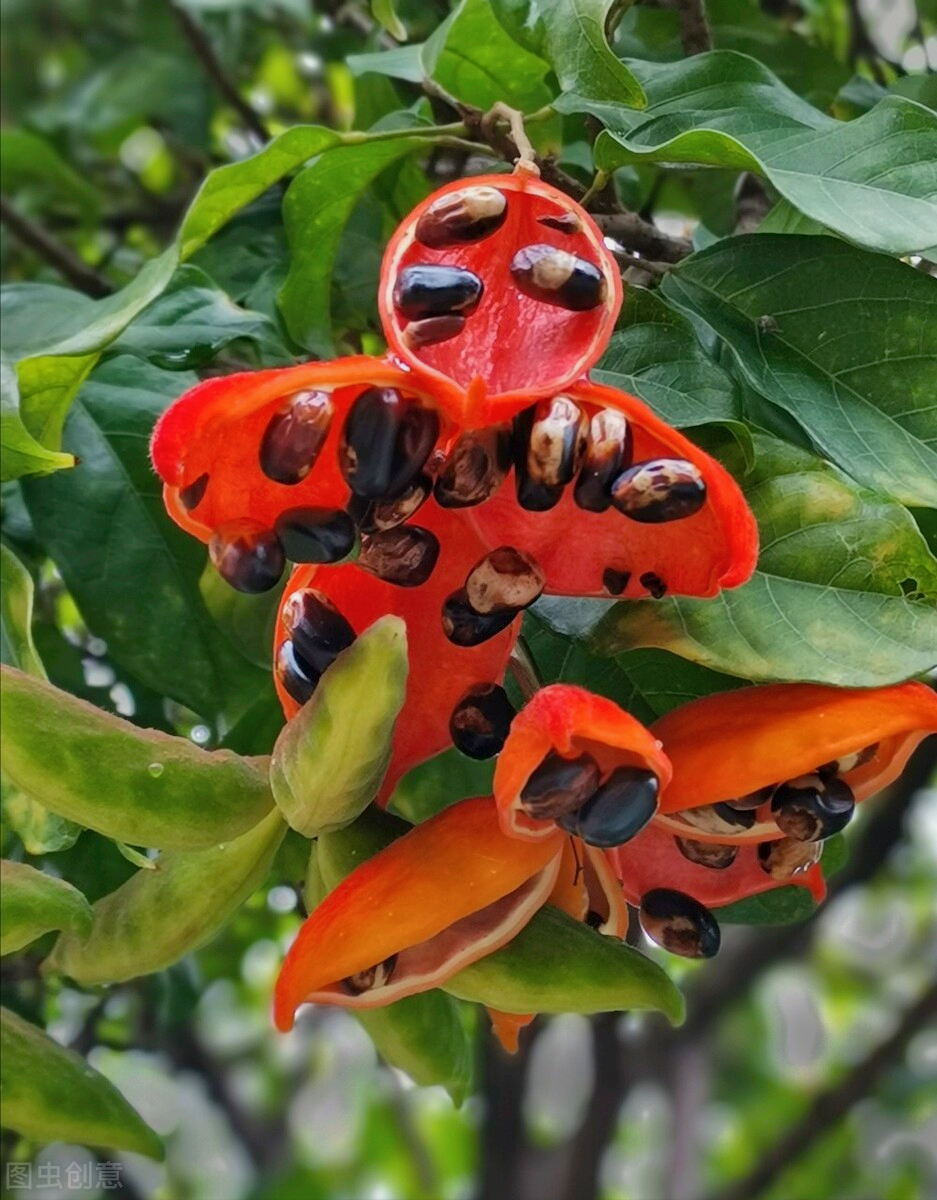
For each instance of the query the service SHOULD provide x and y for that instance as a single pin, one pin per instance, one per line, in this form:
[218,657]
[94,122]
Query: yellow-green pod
[35,903]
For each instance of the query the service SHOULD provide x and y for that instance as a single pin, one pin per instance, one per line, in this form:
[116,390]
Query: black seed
[432,330]
[425,290]
[811,809]
[594,920]
[848,762]
[373,515]
[315,535]
[614,581]
[659,490]
[719,818]
[715,855]
[386,440]
[371,978]
[608,450]
[294,436]
[679,923]
[549,442]
[557,277]
[404,556]
[481,720]
[298,678]
[505,578]
[753,800]
[559,786]
[475,468]
[620,808]
[654,584]
[787,857]
[318,630]
[463,216]
[566,222]
[192,495]
[463,626]
[247,556]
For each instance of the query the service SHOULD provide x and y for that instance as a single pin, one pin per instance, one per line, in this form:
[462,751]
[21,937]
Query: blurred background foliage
[794,1078]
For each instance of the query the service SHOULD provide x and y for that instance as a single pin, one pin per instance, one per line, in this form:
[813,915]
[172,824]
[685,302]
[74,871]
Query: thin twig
[638,234]
[204,51]
[694,28]
[86,279]
[829,1107]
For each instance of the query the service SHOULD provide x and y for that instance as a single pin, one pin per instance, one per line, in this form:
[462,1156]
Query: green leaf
[330,759]
[50,1094]
[35,903]
[874,180]
[140,786]
[28,161]
[556,964]
[158,916]
[827,602]
[316,208]
[844,340]
[570,35]
[784,905]
[20,453]
[16,615]
[131,571]
[385,14]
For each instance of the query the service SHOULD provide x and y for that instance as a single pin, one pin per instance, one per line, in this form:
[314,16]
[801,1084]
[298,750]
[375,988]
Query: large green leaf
[844,340]
[134,575]
[20,453]
[29,161]
[16,614]
[570,35]
[140,786]
[35,903]
[874,180]
[51,1094]
[827,602]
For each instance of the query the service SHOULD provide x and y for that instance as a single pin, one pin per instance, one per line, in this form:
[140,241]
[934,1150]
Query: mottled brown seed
[505,578]
[372,977]
[557,277]
[404,556]
[317,629]
[659,490]
[566,222]
[654,584]
[481,720]
[462,216]
[811,808]
[432,330]
[371,516]
[679,923]
[787,857]
[753,800]
[463,626]
[607,452]
[717,818]
[559,786]
[247,556]
[550,440]
[475,468]
[715,855]
[193,494]
[294,436]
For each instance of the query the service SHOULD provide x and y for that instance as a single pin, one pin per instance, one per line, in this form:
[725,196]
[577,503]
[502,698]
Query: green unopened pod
[330,759]
[424,1034]
[35,903]
[158,916]
[50,1094]
[139,786]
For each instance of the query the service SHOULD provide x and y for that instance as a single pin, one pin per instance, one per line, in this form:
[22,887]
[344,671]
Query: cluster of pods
[472,469]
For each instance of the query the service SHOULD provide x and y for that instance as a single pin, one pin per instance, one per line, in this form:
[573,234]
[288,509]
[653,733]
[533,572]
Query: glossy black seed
[753,800]
[475,468]
[614,581]
[594,919]
[654,584]
[848,762]
[618,810]
[566,222]
[386,440]
[481,720]
[559,786]
[431,330]
[718,818]
[297,678]
[549,442]
[608,451]
[715,855]
[247,556]
[315,535]
[294,436]
[679,923]
[659,490]
[463,626]
[318,630]
[557,277]
[466,215]
[787,857]
[504,578]
[192,495]
[373,515]
[811,809]
[405,556]
[372,977]
[428,290]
